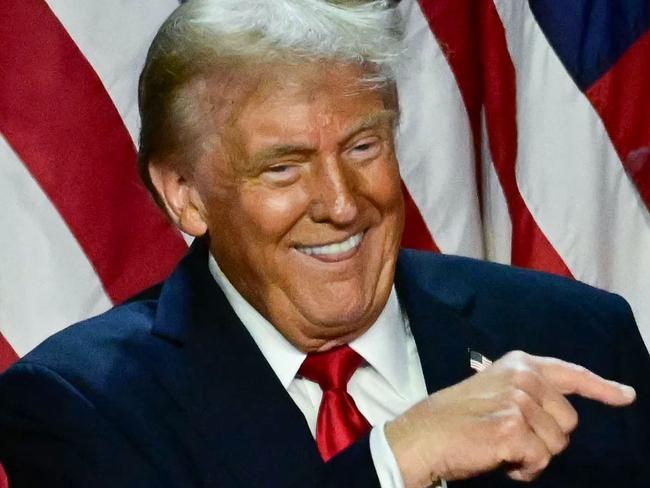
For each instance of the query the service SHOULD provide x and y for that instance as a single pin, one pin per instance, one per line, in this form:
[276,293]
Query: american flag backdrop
[524,139]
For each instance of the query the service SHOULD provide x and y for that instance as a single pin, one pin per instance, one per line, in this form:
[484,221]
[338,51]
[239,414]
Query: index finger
[569,378]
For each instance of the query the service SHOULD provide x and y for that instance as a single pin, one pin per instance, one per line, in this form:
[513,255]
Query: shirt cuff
[384,459]
[385,463]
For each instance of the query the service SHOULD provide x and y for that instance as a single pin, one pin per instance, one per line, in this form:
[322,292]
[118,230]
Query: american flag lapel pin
[477,361]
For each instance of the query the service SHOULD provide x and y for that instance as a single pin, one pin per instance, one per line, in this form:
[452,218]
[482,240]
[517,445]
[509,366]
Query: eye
[281,174]
[367,148]
[281,168]
[362,147]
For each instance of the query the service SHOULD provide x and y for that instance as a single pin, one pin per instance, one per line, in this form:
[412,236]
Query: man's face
[303,203]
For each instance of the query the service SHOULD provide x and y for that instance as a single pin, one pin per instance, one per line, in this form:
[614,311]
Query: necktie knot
[331,369]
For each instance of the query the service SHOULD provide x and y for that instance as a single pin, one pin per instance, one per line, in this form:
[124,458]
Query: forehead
[304,104]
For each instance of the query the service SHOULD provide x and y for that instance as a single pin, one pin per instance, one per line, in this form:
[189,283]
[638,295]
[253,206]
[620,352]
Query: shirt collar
[383,345]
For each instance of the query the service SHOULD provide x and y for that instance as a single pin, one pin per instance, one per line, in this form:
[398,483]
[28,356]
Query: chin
[342,316]
[325,324]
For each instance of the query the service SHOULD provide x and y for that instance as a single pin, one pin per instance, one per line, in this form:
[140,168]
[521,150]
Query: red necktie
[339,421]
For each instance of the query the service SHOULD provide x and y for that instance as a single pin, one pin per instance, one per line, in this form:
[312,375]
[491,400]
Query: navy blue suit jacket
[170,389]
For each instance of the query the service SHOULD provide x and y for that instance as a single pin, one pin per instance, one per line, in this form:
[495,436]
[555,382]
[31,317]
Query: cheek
[273,212]
[383,187]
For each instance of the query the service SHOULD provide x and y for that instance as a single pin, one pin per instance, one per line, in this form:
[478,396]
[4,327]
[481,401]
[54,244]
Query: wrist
[411,455]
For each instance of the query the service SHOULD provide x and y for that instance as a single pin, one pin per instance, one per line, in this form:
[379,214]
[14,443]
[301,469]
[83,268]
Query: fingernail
[628,391]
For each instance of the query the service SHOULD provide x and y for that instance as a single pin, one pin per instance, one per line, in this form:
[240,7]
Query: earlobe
[191,221]
[181,201]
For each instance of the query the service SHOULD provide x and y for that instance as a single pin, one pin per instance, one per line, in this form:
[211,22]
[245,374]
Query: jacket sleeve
[635,370]
[51,435]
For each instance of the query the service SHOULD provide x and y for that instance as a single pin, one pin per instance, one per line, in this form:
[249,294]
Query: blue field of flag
[590,35]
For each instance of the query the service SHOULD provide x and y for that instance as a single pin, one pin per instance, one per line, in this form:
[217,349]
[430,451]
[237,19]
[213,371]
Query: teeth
[337,248]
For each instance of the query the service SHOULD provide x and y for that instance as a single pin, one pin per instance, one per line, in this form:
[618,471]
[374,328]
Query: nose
[333,194]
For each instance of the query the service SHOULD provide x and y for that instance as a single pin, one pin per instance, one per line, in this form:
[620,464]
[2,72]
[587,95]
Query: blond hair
[203,37]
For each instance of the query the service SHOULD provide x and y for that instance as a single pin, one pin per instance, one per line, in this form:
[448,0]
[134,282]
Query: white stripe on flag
[114,37]
[435,146]
[46,282]
[497,227]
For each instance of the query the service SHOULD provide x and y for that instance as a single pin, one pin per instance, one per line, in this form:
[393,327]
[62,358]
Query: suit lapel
[440,309]
[233,397]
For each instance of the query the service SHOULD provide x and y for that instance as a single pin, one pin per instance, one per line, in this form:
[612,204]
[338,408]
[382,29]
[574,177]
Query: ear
[181,199]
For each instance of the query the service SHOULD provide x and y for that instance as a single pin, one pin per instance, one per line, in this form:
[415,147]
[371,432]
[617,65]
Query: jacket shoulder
[516,300]
[431,270]
[88,350]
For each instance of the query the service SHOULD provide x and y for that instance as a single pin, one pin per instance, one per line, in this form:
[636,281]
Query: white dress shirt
[389,381]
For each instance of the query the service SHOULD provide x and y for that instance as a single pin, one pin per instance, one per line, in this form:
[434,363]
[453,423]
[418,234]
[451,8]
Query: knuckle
[517,356]
[539,462]
[528,475]
[543,463]
[572,420]
[522,376]
[562,444]
[555,444]
[522,475]
[520,398]
[512,425]
[531,472]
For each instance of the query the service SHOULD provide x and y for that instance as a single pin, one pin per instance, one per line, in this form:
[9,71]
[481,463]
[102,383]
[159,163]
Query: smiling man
[295,344]
[302,192]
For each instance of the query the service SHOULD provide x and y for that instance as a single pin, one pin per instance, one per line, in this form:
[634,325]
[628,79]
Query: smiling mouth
[337,250]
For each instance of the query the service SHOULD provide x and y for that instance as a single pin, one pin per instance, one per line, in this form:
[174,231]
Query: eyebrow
[279,151]
[369,121]
[275,152]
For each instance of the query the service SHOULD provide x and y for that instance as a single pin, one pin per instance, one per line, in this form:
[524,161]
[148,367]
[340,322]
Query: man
[268,134]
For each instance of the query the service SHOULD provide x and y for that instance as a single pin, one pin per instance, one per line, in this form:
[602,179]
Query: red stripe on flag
[56,114]
[7,355]
[530,247]
[622,98]
[416,234]
[455,24]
